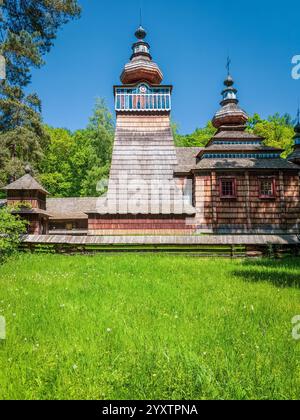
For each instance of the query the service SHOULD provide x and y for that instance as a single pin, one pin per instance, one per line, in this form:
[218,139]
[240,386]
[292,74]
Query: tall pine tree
[28,29]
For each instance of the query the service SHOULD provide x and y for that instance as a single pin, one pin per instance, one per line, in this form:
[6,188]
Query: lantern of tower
[230,114]
[141,89]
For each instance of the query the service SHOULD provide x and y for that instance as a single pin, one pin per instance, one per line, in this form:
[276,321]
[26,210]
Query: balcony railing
[143,102]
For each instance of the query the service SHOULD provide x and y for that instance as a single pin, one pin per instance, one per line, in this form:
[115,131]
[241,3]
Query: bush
[11,227]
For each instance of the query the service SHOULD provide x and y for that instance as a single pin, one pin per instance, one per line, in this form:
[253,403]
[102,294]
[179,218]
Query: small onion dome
[141,67]
[229,81]
[230,114]
[140,33]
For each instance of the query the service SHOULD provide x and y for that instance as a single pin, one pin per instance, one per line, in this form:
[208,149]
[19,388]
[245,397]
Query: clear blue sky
[190,40]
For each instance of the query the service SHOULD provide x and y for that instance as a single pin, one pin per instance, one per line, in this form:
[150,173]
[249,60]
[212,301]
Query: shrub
[11,228]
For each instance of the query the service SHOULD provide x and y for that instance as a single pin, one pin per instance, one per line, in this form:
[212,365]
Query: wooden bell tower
[143,197]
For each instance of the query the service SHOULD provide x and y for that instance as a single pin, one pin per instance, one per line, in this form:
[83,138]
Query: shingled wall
[248,212]
[143,196]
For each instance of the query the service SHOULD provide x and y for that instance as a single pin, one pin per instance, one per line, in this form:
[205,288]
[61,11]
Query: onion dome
[230,114]
[141,67]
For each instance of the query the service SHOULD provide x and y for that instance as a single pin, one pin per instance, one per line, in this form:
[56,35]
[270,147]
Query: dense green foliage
[74,163]
[128,327]
[28,29]
[199,138]
[11,227]
[277,130]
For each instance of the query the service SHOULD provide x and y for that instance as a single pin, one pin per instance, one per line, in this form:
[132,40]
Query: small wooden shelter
[28,199]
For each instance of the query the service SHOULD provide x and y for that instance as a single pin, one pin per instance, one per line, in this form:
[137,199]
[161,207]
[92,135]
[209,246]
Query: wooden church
[234,185]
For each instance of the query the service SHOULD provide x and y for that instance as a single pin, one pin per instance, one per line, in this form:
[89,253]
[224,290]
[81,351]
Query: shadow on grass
[276,272]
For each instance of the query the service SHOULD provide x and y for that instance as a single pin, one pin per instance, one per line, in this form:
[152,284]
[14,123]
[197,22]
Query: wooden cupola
[141,67]
[230,114]
[27,191]
[27,198]
[141,89]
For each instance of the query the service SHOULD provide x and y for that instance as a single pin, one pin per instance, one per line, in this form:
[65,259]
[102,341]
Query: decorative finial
[229,80]
[140,33]
[141,16]
[28,169]
[228,64]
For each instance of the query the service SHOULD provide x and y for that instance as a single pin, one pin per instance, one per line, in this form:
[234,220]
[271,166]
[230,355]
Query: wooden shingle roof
[236,135]
[215,164]
[186,159]
[142,171]
[72,208]
[295,155]
[27,182]
[240,147]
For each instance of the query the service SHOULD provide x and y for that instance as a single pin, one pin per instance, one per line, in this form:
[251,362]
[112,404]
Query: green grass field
[149,327]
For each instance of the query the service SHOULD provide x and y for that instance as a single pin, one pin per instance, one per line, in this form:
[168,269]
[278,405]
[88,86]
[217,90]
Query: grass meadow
[149,327]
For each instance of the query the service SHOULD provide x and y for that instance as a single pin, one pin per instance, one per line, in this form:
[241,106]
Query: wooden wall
[146,225]
[35,224]
[35,199]
[248,212]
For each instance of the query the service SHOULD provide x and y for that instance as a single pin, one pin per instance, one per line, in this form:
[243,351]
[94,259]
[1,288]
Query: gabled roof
[27,182]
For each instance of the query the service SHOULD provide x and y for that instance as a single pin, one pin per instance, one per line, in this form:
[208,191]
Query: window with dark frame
[228,188]
[267,188]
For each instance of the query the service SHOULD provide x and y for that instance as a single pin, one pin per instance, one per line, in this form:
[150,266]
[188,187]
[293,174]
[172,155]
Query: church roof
[295,155]
[27,182]
[235,134]
[215,164]
[142,171]
[23,211]
[71,208]
[239,148]
[186,158]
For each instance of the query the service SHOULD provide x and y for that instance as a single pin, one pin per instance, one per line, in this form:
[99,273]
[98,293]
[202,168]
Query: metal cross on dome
[228,65]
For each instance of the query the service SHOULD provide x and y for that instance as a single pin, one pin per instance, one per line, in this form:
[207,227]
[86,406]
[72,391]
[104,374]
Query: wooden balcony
[150,102]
